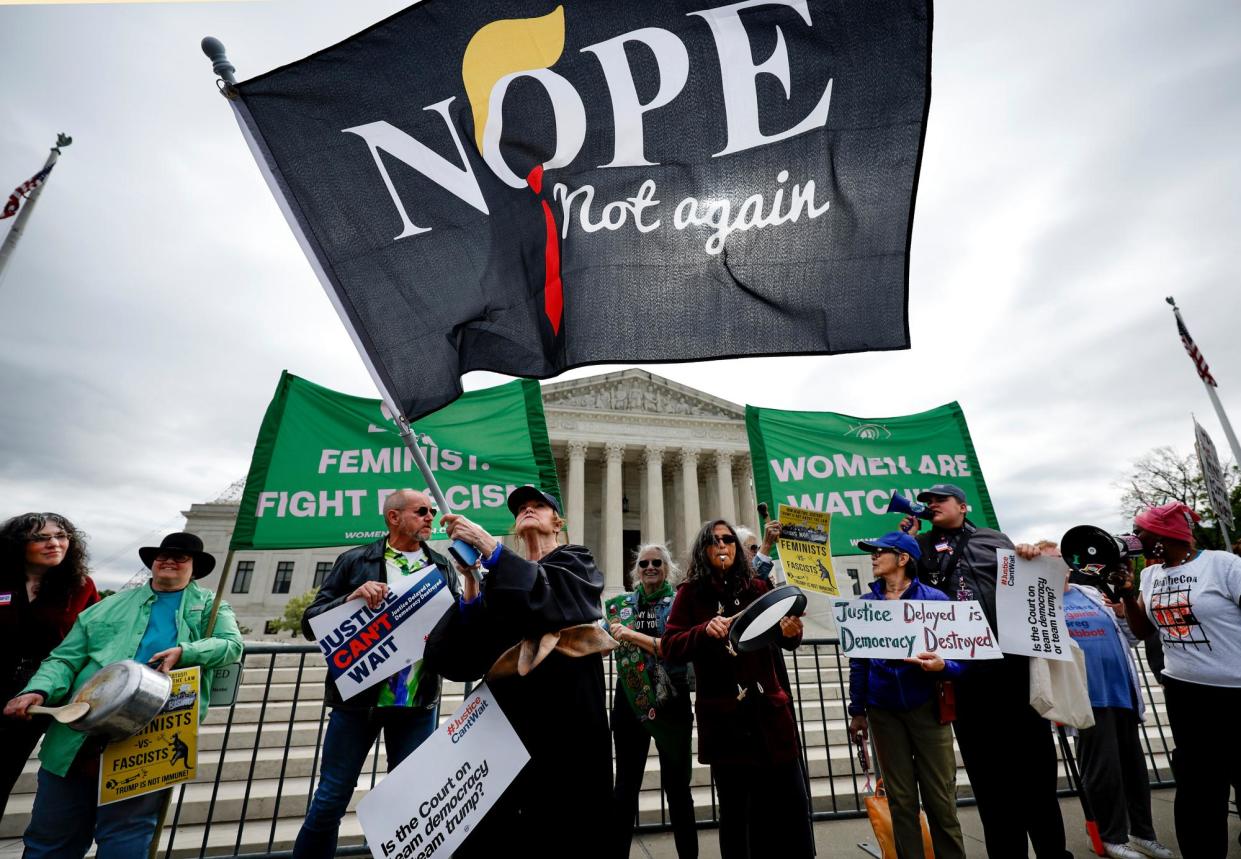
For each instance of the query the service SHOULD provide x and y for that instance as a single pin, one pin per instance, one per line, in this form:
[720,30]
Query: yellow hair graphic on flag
[504,47]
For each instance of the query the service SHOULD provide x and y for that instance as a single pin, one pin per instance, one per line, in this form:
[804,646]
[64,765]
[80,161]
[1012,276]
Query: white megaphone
[901,504]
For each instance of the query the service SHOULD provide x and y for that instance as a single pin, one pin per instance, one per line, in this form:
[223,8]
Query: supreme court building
[641,459]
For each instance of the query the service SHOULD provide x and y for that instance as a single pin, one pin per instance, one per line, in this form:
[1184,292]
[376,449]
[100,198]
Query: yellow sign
[805,549]
[162,754]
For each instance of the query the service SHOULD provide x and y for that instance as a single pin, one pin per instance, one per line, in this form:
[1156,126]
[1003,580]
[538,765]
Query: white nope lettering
[738,73]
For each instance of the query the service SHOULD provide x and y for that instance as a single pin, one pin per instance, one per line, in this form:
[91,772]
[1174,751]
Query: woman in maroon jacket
[43,587]
[746,731]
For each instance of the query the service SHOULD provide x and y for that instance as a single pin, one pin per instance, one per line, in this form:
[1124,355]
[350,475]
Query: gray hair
[672,573]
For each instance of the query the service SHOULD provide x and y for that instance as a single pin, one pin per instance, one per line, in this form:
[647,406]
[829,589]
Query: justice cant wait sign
[850,467]
[512,179]
[325,461]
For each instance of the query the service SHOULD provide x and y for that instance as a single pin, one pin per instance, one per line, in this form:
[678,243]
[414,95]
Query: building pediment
[637,391]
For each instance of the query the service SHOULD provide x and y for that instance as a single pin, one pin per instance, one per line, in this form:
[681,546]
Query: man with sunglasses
[402,706]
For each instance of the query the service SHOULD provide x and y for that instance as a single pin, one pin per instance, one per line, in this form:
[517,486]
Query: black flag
[525,187]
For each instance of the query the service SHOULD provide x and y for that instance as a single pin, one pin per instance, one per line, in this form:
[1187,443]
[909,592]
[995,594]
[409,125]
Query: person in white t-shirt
[1192,599]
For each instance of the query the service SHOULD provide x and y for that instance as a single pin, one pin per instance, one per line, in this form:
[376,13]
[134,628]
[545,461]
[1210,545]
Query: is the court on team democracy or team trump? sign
[1029,606]
[850,467]
[325,461]
[899,629]
[436,796]
[163,753]
[364,646]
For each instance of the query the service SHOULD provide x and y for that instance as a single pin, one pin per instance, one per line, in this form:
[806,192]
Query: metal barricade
[268,754]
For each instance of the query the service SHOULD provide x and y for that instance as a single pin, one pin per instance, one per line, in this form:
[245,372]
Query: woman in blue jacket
[900,700]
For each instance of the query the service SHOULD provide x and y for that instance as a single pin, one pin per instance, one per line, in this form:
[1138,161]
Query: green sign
[850,467]
[324,462]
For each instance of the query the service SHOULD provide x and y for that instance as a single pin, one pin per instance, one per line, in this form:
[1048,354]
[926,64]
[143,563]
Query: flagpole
[220,64]
[19,222]
[1219,408]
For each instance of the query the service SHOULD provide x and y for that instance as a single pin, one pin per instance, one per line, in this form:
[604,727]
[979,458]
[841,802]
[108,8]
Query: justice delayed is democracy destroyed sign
[899,629]
[512,180]
[850,467]
[324,462]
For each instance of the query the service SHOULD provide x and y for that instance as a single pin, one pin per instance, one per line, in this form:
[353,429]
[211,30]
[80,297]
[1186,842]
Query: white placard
[899,629]
[1029,606]
[364,646]
[437,795]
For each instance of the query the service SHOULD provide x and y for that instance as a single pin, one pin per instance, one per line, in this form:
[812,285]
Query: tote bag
[1058,689]
[881,821]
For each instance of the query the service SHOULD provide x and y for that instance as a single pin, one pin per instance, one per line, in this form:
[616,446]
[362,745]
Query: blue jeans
[350,736]
[67,817]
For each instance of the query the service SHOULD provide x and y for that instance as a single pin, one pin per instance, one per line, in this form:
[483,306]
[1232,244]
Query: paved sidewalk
[838,839]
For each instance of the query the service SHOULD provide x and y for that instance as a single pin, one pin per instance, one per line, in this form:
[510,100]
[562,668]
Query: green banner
[850,467]
[324,462]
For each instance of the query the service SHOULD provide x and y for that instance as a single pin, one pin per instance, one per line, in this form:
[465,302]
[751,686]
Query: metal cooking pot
[124,697]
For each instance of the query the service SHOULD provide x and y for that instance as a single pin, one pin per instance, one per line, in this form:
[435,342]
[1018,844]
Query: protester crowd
[531,621]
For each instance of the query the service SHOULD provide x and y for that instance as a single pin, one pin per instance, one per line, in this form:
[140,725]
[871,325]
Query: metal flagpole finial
[214,49]
[1171,301]
[62,140]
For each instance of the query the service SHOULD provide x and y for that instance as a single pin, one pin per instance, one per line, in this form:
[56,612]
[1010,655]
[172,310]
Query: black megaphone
[1089,549]
[901,504]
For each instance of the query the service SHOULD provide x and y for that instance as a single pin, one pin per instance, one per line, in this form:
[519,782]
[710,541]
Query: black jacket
[352,569]
[973,575]
[558,710]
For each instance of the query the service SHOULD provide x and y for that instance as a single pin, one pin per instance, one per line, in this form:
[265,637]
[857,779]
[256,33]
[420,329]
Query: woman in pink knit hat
[1192,599]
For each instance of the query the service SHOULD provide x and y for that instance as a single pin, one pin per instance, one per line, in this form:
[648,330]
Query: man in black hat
[1015,789]
[165,624]
[402,706]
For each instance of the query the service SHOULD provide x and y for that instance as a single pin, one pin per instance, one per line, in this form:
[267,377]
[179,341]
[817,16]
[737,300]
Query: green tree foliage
[293,609]
[1165,475]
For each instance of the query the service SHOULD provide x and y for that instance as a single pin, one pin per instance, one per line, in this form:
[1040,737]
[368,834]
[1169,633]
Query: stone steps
[280,704]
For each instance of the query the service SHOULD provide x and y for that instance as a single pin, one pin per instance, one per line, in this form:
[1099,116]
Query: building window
[321,570]
[241,577]
[284,577]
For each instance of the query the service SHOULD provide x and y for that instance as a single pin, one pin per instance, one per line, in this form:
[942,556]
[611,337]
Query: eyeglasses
[60,536]
[724,539]
[175,557]
[423,511]
[877,552]
[652,562]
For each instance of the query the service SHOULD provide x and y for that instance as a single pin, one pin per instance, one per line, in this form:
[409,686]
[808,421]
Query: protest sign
[805,549]
[509,181]
[850,467]
[899,629]
[1028,606]
[364,646]
[162,754]
[437,795]
[324,462]
[1214,476]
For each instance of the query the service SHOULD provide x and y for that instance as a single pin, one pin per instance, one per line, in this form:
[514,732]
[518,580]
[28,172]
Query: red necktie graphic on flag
[553,292]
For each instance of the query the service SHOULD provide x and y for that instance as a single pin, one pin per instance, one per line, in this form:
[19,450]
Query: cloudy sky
[1081,164]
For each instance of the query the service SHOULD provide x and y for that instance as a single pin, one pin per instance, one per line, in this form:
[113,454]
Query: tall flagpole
[19,223]
[1219,408]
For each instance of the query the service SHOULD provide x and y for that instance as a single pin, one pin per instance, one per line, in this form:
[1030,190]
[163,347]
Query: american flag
[1204,372]
[23,190]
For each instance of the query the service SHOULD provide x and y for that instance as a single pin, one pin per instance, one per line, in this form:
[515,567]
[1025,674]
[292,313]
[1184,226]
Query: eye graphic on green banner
[850,467]
[325,461]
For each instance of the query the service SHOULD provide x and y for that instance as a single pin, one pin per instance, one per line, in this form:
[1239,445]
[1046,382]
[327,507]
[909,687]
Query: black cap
[522,494]
[943,490]
[181,543]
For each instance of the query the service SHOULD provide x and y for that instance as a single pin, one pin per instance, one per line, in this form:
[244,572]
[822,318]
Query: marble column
[653,500]
[724,485]
[576,509]
[613,519]
[749,506]
[689,481]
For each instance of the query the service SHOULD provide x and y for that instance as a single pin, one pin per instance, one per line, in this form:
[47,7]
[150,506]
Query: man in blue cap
[993,696]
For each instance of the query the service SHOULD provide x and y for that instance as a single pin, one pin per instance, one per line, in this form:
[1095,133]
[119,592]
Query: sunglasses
[723,539]
[176,558]
[423,511]
[753,549]
[653,562]
[877,552]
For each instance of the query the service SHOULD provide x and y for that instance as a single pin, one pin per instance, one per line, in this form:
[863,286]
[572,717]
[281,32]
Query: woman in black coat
[559,804]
